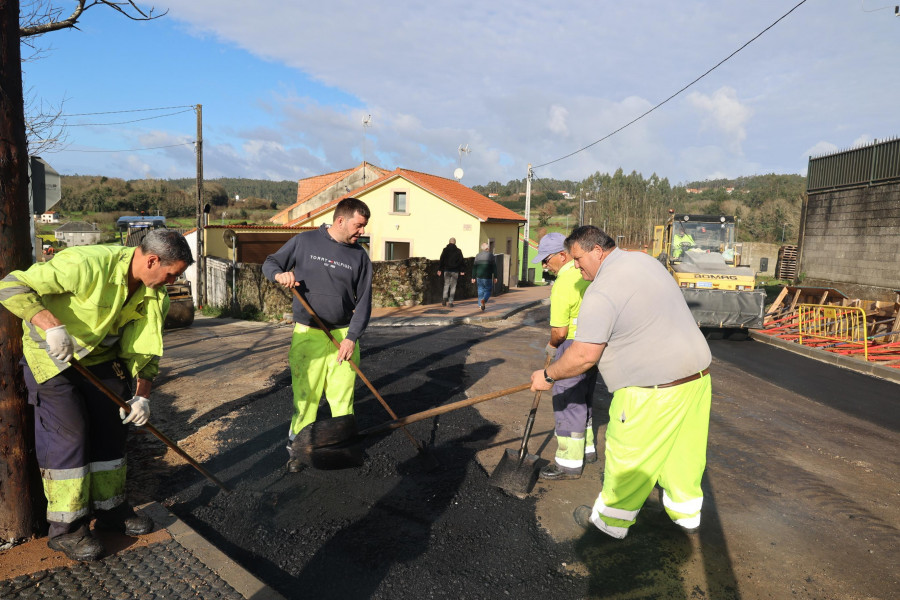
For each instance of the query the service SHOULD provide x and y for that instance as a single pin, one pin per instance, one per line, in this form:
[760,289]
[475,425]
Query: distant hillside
[630,205]
[172,197]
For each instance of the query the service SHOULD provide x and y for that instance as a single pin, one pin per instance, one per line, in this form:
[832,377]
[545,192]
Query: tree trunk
[16,437]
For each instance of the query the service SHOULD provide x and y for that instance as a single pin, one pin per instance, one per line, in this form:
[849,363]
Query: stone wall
[851,239]
[394,283]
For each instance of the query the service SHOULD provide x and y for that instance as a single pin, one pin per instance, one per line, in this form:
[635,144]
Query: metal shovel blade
[513,475]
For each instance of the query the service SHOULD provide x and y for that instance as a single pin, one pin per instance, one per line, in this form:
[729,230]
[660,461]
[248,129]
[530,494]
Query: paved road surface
[802,489]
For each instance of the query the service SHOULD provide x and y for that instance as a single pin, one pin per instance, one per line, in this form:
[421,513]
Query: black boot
[78,544]
[123,519]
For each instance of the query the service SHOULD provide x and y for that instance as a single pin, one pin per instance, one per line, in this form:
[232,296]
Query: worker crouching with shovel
[104,306]
[333,275]
[572,396]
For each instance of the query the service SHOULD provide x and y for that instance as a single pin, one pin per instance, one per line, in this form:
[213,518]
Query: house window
[399,202]
[396,250]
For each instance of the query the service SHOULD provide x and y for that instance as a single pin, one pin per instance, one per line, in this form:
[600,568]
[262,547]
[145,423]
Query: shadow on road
[657,557]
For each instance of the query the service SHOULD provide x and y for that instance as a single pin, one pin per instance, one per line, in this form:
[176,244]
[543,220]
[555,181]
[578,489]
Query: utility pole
[201,263]
[525,246]
[16,429]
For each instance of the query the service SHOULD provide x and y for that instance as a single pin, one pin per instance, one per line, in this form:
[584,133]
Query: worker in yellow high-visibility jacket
[104,306]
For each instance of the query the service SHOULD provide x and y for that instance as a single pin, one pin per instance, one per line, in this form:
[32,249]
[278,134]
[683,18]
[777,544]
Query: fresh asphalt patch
[390,528]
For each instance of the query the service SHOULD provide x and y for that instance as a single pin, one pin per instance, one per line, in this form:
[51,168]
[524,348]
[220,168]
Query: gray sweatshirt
[335,279]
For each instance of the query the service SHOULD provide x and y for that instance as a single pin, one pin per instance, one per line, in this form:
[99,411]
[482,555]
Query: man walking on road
[572,396]
[105,306]
[333,273]
[636,327]
[450,265]
[484,274]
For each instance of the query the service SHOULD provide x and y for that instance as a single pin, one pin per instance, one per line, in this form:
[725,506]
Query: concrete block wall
[852,237]
[754,251]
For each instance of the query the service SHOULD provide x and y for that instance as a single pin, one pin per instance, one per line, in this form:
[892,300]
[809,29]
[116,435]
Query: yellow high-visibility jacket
[86,288]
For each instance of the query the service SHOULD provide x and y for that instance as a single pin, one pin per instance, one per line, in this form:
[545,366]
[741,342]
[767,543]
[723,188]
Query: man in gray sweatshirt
[333,273]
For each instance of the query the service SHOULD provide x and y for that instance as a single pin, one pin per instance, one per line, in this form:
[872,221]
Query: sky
[285,87]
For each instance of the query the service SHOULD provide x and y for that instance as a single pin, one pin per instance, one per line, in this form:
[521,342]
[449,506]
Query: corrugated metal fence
[876,163]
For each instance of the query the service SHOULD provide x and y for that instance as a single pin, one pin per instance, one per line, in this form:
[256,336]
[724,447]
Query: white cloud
[528,82]
[557,120]
[723,111]
[819,149]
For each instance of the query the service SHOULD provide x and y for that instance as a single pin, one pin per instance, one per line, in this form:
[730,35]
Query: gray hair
[588,236]
[169,245]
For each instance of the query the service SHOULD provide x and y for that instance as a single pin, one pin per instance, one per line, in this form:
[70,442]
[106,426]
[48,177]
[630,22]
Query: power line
[717,65]
[116,112]
[131,149]
[125,122]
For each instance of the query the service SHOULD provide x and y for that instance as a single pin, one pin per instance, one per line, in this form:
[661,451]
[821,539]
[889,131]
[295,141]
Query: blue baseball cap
[550,244]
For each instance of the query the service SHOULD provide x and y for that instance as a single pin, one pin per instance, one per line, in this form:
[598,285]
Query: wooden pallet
[786,268]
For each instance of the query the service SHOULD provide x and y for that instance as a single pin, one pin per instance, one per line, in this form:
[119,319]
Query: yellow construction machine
[181,302]
[701,253]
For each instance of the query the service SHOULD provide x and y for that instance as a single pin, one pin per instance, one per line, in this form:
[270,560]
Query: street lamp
[583,202]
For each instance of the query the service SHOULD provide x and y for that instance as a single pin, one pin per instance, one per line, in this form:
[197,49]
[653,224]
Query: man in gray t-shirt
[636,327]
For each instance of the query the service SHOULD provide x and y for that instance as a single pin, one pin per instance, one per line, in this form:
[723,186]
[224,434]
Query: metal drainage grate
[164,570]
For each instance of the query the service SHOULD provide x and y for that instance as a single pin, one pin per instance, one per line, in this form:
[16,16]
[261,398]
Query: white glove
[550,351]
[59,343]
[140,411]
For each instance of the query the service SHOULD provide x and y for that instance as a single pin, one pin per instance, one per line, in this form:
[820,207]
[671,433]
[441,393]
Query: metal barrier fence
[878,162]
[841,324]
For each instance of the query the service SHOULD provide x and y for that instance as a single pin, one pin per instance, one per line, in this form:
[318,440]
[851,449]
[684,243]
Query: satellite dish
[458,173]
[229,236]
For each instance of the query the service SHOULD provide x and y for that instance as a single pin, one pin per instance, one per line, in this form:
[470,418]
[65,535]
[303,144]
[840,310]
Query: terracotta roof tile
[309,187]
[455,193]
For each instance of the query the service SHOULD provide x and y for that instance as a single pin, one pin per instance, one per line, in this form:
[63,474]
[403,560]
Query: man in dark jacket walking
[451,266]
[484,274]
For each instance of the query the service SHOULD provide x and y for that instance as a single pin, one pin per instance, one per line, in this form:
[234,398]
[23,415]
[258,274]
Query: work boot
[582,516]
[481,304]
[295,461]
[78,544]
[450,305]
[590,458]
[444,303]
[554,472]
[124,520]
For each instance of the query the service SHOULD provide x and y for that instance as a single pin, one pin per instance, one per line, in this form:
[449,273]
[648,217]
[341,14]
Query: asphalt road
[801,490]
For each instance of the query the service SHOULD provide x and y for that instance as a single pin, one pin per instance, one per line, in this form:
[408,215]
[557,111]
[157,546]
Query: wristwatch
[547,378]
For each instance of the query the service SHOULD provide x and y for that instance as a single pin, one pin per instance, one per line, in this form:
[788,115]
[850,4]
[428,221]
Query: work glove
[140,411]
[550,351]
[59,343]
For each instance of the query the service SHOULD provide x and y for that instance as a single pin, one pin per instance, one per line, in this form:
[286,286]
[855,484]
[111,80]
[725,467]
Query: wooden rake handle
[369,385]
[127,408]
[439,410]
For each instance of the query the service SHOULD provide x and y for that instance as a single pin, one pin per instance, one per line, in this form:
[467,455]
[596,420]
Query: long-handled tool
[440,410]
[517,471]
[339,456]
[371,387]
[127,407]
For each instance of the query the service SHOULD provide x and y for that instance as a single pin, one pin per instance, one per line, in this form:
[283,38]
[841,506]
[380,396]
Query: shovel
[516,472]
[346,453]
